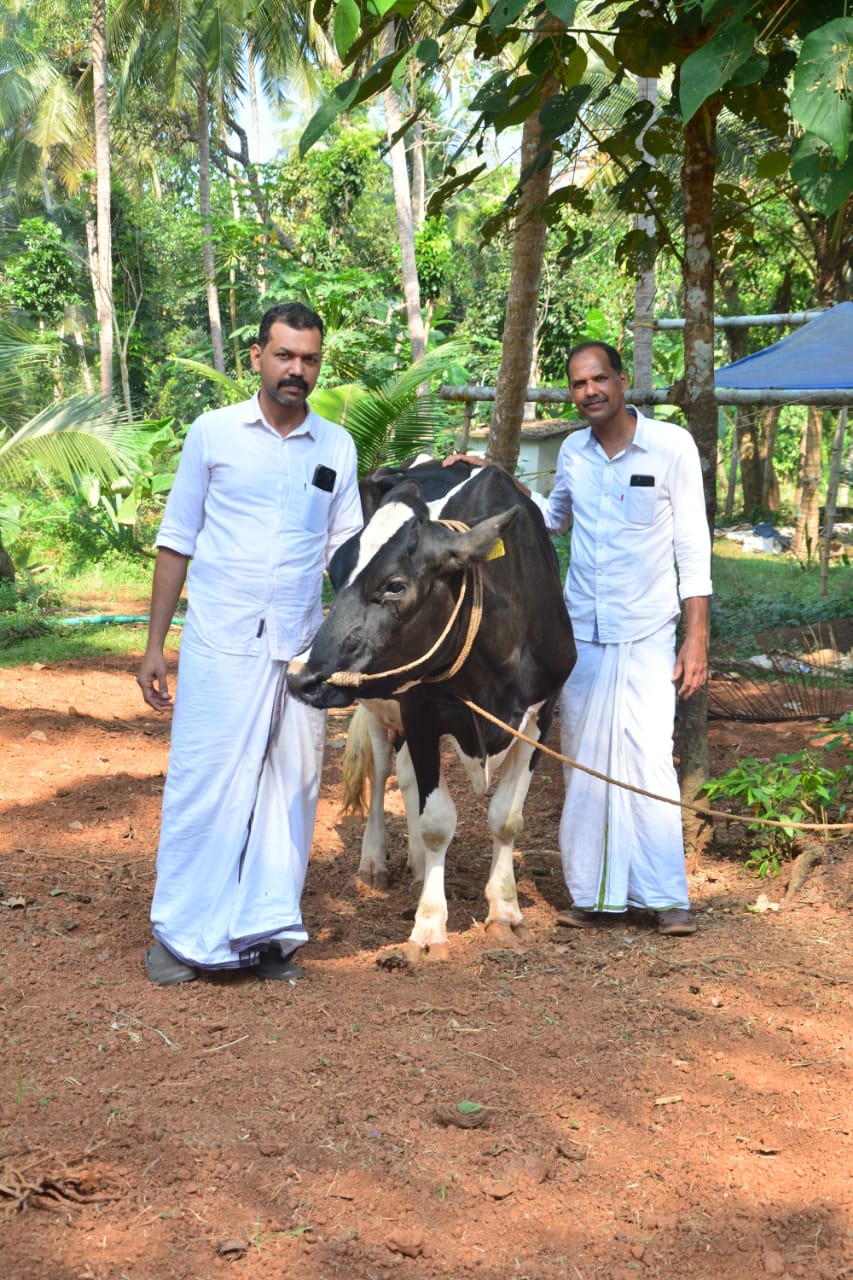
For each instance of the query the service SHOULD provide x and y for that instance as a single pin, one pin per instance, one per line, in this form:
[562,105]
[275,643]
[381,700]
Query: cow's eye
[395,587]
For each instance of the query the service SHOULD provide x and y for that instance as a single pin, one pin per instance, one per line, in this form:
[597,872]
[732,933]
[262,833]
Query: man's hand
[475,459]
[691,669]
[154,681]
[691,665]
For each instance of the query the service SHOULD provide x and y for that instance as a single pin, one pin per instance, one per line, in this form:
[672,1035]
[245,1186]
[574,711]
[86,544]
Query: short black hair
[613,357]
[294,314]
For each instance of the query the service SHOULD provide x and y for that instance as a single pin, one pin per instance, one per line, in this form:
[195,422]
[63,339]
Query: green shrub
[22,607]
[812,785]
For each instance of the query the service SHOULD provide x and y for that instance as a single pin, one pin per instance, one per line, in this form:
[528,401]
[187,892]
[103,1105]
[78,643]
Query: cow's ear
[482,541]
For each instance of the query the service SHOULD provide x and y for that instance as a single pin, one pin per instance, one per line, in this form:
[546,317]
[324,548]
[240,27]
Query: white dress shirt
[634,517]
[245,508]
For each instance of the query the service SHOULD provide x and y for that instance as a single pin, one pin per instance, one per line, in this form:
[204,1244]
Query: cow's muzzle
[313,688]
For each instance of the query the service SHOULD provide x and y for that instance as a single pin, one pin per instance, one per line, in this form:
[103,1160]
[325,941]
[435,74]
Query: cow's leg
[504,920]
[373,867]
[431,814]
[436,828]
[408,784]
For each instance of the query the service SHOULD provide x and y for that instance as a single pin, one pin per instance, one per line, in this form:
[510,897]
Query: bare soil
[650,1107]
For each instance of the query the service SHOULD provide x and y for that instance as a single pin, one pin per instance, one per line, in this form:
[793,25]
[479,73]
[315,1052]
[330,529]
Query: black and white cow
[429,616]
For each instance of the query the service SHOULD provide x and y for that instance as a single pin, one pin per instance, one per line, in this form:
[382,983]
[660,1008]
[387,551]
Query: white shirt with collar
[259,531]
[634,517]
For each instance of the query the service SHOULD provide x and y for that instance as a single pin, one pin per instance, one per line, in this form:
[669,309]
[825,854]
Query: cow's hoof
[437,952]
[434,952]
[374,880]
[501,934]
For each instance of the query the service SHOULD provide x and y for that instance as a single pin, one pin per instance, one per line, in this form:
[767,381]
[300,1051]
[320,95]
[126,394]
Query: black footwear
[166,970]
[575,918]
[274,966]
[676,923]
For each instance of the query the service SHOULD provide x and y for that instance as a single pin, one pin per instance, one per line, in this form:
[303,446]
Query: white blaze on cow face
[381,529]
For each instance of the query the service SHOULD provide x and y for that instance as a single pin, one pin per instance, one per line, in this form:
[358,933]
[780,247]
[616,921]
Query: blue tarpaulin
[818,355]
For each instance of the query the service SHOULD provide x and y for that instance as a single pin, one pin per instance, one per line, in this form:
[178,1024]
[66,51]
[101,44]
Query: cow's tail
[357,764]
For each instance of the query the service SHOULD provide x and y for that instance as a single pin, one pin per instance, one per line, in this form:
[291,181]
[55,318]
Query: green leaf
[462,14]
[126,513]
[605,55]
[380,7]
[772,164]
[562,10]
[327,113]
[378,77]
[457,182]
[504,14]
[824,183]
[347,23]
[709,68]
[822,94]
[427,52]
[493,96]
[469,1108]
[560,113]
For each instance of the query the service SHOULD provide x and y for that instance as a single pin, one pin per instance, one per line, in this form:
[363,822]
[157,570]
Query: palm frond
[392,422]
[234,390]
[75,437]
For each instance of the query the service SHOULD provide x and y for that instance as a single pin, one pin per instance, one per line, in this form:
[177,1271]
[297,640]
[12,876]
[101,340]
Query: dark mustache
[293,382]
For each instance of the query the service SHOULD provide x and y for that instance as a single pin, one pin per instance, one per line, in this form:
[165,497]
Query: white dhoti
[617,711]
[238,809]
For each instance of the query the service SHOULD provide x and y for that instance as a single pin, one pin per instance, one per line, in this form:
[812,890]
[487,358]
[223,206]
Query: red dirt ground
[651,1107]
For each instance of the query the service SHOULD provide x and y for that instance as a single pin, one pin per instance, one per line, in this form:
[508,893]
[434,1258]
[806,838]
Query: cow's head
[397,584]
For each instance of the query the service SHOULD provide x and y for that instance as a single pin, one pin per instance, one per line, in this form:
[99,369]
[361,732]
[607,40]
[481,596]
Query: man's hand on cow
[475,459]
[154,681]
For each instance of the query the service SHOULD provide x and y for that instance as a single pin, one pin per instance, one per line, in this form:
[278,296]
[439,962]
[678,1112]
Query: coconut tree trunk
[519,332]
[403,204]
[700,405]
[418,174]
[832,497]
[644,285]
[208,262]
[806,541]
[104,274]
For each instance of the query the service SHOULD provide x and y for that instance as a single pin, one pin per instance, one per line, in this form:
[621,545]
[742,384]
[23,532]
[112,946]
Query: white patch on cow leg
[373,867]
[505,823]
[437,826]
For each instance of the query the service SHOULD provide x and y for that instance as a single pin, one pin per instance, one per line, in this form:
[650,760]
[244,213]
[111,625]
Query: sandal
[575,918]
[165,969]
[676,923]
[275,966]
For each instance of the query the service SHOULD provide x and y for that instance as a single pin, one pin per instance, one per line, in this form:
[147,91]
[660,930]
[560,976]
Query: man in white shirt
[265,492]
[631,488]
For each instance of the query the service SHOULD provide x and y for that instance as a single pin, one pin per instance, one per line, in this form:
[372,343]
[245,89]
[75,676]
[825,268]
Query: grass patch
[62,644]
[754,592]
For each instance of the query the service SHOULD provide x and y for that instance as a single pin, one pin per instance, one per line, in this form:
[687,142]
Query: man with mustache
[265,492]
[631,489]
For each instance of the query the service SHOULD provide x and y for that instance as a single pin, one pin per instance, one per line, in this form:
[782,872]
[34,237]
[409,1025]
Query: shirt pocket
[640,504]
[315,509]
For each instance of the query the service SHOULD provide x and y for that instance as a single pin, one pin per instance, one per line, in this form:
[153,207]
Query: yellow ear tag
[497,550]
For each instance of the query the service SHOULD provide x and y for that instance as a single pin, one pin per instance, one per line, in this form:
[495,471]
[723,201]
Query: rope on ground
[681,804]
